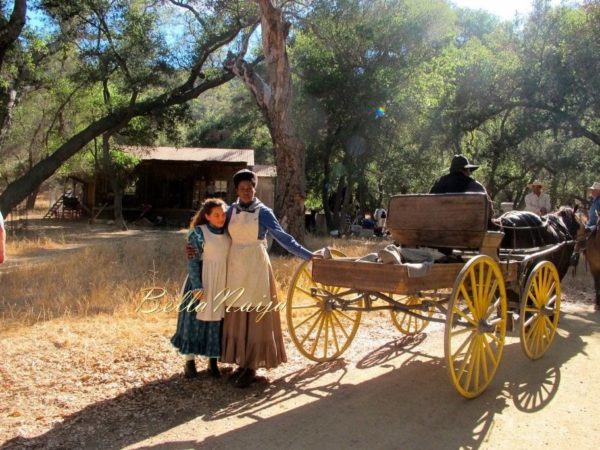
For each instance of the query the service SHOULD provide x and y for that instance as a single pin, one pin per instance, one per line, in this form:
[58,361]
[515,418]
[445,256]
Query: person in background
[2,240]
[595,207]
[253,340]
[537,201]
[210,189]
[380,217]
[459,179]
[200,319]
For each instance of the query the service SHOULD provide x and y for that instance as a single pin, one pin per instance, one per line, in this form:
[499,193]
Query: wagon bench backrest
[442,220]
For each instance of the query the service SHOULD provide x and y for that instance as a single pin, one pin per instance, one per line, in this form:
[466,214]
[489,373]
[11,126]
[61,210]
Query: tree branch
[12,31]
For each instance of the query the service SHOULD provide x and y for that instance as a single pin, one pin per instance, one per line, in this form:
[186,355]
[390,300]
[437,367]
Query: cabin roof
[264,171]
[194,154]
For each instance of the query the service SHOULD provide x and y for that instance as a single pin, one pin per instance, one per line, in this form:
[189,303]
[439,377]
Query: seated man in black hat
[459,179]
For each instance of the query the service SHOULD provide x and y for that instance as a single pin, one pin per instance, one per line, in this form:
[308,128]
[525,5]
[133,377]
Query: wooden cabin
[170,183]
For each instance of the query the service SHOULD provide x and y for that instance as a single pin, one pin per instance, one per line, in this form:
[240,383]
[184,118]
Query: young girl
[200,321]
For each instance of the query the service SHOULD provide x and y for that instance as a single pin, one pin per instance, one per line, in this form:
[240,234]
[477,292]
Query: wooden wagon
[328,296]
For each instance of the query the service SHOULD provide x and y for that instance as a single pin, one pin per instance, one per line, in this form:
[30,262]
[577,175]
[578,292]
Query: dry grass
[91,278]
[27,246]
[111,276]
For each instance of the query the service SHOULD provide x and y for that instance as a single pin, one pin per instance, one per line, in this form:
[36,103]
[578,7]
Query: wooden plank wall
[439,220]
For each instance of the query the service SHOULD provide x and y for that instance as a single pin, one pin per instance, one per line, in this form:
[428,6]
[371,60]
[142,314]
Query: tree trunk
[115,184]
[8,100]
[8,92]
[273,97]
[289,193]
[12,30]
[326,191]
[31,198]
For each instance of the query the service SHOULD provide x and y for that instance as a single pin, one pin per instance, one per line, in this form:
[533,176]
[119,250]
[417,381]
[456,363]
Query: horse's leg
[597,287]
[596,276]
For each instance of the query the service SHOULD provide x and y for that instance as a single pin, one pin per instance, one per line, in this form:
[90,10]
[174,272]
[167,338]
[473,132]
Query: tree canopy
[382,93]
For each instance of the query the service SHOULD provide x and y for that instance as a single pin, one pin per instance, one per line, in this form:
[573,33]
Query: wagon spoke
[531,329]
[345,315]
[468,301]
[480,290]
[462,331]
[325,341]
[532,319]
[484,361]
[534,293]
[306,273]
[488,290]
[334,334]
[547,281]
[464,316]
[315,305]
[461,370]
[490,352]
[476,362]
[492,301]
[474,292]
[316,342]
[548,324]
[340,324]
[495,338]
[531,296]
[469,369]
[304,291]
[311,329]
[468,340]
[494,308]
[307,319]
[551,301]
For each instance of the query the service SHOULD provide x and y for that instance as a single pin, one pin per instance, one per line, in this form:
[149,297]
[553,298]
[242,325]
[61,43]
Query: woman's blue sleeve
[194,265]
[268,220]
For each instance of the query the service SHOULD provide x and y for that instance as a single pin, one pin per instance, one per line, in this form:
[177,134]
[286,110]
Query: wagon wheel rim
[475,326]
[319,331]
[540,310]
[407,323]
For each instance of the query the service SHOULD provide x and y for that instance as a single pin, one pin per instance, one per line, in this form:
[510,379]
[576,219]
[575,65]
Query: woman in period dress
[199,323]
[253,340]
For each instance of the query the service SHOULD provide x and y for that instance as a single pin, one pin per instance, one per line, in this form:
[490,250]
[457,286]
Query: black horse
[525,230]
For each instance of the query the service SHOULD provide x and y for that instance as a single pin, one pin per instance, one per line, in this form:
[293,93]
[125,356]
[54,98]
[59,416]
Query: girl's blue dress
[195,336]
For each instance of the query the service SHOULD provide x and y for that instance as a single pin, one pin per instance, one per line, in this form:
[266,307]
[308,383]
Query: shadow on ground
[411,406]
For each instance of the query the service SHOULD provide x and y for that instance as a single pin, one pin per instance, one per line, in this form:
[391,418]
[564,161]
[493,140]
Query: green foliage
[228,118]
[386,91]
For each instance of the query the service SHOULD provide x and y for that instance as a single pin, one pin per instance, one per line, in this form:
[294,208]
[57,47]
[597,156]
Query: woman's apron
[214,274]
[248,265]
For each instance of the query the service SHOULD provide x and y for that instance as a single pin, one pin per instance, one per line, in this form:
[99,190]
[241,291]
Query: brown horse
[525,230]
[592,256]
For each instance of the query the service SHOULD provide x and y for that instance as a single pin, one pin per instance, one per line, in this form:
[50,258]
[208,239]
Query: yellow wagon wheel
[407,323]
[320,331]
[475,326]
[540,308]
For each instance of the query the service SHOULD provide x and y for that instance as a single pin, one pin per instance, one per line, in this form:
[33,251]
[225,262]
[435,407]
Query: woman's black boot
[189,369]
[213,368]
[247,377]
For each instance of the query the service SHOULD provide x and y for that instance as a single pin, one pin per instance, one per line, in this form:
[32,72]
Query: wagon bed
[469,295]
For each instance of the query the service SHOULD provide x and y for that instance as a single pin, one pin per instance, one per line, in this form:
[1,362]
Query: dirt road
[398,396]
[389,393]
